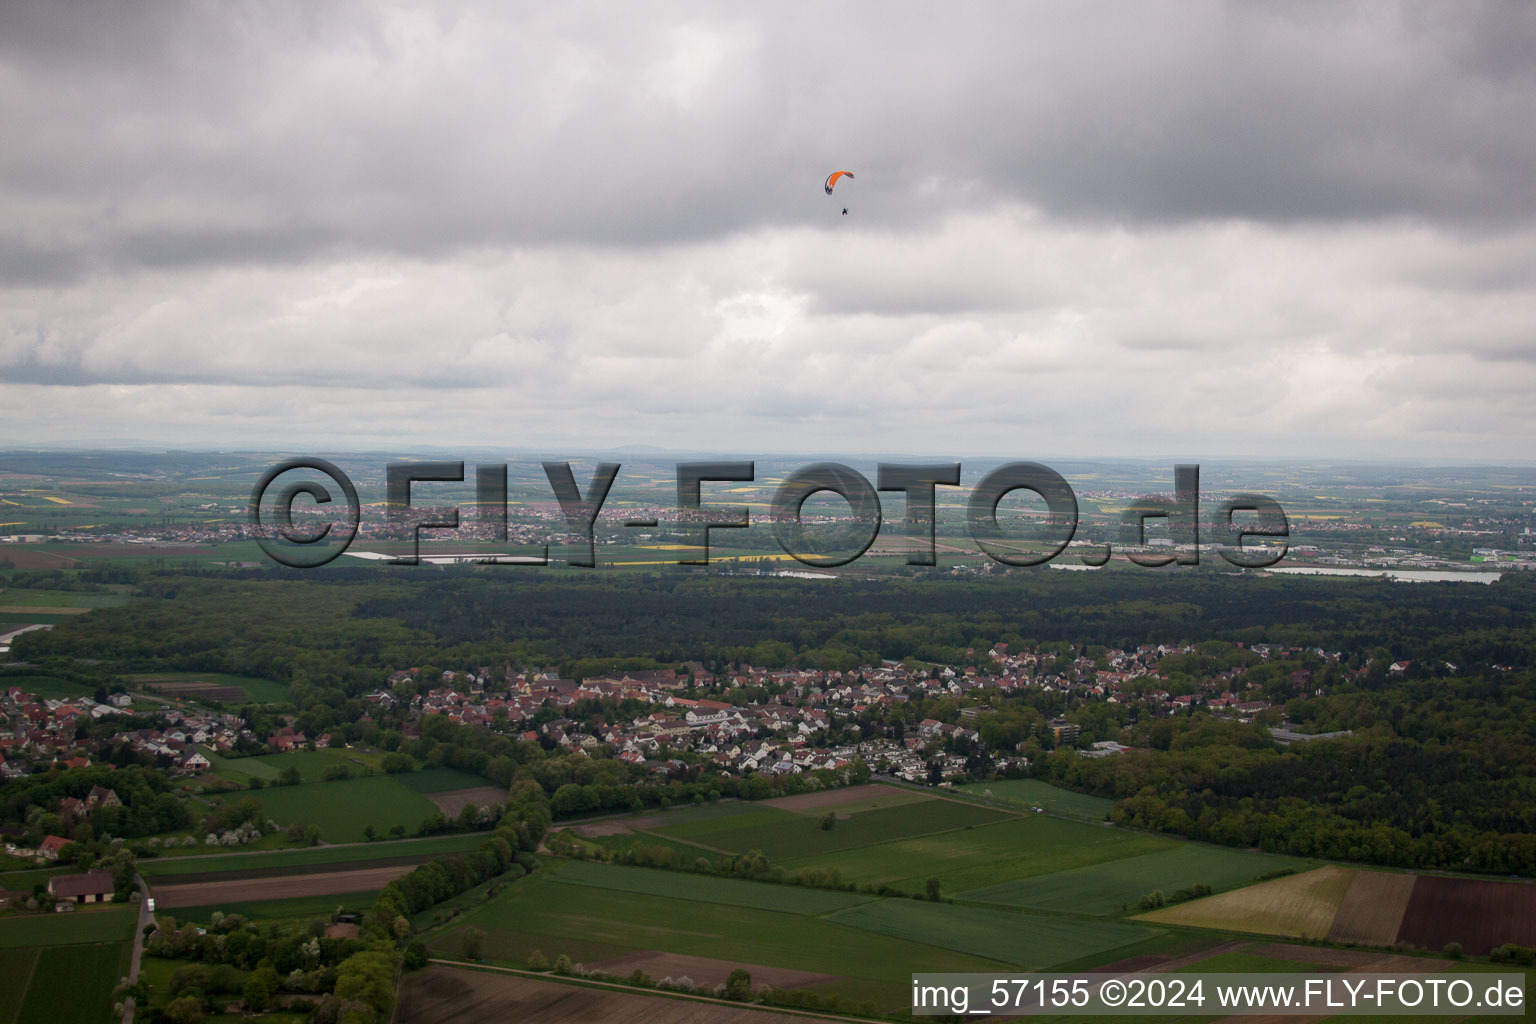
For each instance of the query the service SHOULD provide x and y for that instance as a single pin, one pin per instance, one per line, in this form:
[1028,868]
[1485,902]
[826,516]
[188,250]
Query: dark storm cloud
[206,133]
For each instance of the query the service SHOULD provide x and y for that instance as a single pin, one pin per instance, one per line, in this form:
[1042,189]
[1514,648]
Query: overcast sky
[1168,230]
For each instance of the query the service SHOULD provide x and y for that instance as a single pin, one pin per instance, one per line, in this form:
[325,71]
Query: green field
[1033,793]
[731,892]
[15,975]
[313,763]
[34,618]
[783,835]
[43,686]
[240,769]
[344,809]
[61,968]
[867,799]
[92,925]
[311,855]
[74,983]
[591,924]
[970,859]
[12,597]
[1025,940]
[23,881]
[628,840]
[300,908]
[440,780]
[1116,886]
[593,912]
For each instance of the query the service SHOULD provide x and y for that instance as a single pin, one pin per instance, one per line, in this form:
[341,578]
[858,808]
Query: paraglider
[831,183]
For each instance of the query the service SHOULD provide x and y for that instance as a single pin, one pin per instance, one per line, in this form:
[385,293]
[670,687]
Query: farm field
[592,924]
[284,860]
[277,887]
[11,597]
[1115,886]
[26,879]
[297,907]
[1297,906]
[969,859]
[781,834]
[450,995]
[1033,793]
[655,820]
[73,983]
[44,686]
[1478,914]
[16,966]
[86,925]
[1372,910]
[1252,961]
[188,684]
[313,763]
[440,780]
[731,892]
[848,800]
[1025,940]
[343,809]
[61,968]
[628,840]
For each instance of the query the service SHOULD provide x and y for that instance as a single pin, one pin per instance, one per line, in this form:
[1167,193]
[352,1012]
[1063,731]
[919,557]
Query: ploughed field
[278,887]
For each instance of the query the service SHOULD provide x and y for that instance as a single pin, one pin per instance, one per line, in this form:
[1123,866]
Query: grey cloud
[190,134]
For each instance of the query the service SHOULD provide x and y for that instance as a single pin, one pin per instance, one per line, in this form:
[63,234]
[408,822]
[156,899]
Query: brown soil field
[198,691]
[1477,914]
[454,800]
[862,798]
[241,890]
[1372,911]
[705,971]
[451,995]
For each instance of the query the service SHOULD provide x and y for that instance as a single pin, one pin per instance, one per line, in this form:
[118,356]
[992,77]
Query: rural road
[138,944]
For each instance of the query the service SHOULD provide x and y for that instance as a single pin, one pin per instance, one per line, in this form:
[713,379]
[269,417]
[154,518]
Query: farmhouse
[92,887]
[51,845]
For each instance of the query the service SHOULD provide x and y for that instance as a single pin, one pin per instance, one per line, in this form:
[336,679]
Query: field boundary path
[145,917]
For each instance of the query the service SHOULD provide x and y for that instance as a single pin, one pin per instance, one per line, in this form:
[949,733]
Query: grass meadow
[344,809]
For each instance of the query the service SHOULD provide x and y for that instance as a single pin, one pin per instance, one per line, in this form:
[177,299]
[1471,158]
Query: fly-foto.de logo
[320,539]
